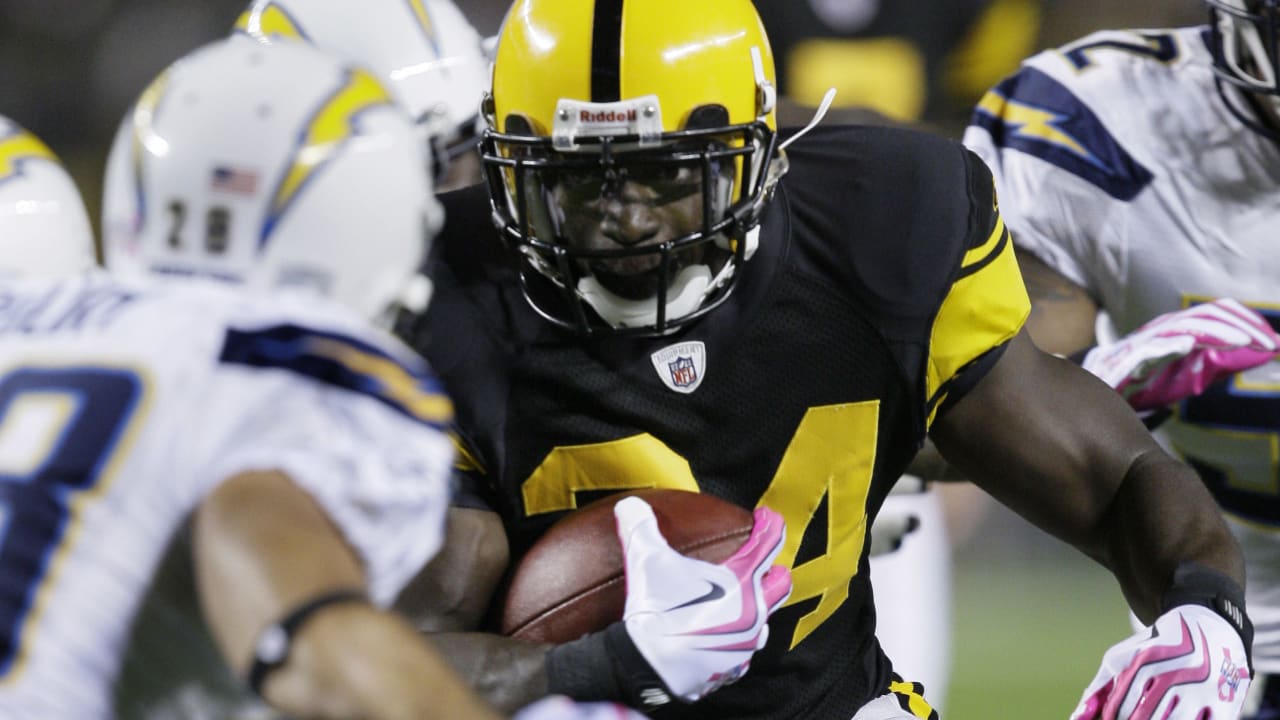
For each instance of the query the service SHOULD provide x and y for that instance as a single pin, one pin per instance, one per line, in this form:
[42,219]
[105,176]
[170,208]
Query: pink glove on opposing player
[1179,354]
[1189,665]
[698,623]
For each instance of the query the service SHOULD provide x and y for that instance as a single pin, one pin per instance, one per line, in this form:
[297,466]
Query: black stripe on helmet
[606,51]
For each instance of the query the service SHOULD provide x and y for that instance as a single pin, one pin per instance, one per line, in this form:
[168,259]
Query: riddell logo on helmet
[607,116]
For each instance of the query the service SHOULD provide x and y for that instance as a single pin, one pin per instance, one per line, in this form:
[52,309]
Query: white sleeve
[1062,175]
[366,441]
[1050,213]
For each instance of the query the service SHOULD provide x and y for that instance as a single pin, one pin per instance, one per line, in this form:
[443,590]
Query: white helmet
[425,51]
[43,226]
[1246,53]
[272,166]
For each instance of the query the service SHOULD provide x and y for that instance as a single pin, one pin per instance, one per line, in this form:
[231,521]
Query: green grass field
[1032,621]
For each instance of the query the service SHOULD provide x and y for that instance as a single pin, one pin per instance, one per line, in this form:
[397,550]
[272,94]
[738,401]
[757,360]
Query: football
[570,582]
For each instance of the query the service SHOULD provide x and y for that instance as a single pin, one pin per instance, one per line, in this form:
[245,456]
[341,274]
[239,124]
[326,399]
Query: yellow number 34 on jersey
[831,455]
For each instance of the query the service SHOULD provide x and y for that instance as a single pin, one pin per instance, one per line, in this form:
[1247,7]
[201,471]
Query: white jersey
[1118,163]
[123,404]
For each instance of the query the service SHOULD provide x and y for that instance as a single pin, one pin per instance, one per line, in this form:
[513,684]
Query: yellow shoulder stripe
[395,383]
[976,256]
[985,308]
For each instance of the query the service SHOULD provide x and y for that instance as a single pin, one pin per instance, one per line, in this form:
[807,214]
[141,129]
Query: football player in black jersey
[678,295]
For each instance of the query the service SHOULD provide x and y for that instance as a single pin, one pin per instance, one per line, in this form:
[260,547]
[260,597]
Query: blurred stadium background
[1032,617]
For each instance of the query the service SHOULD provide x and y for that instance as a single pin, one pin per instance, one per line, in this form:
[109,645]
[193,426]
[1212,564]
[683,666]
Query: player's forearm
[355,660]
[507,673]
[264,553]
[1161,516]
[1087,471]
[451,593]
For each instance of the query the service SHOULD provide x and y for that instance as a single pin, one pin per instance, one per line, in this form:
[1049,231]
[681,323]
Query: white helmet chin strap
[686,293]
[691,286]
[827,98]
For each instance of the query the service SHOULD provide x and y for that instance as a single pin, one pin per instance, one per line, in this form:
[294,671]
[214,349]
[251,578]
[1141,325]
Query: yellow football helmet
[591,96]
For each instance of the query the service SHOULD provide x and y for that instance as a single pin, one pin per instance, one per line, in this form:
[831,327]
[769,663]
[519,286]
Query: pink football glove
[1190,665]
[559,707]
[695,622]
[1179,354]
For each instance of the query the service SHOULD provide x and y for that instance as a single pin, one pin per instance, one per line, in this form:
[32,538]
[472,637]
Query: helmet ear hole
[516,124]
[705,117]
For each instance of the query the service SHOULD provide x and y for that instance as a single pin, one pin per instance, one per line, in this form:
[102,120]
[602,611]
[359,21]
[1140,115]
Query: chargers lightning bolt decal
[272,21]
[1031,122]
[1035,114]
[16,148]
[419,8]
[327,132]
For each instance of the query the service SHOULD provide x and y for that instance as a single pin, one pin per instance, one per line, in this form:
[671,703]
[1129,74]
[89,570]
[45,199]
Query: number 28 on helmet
[629,153]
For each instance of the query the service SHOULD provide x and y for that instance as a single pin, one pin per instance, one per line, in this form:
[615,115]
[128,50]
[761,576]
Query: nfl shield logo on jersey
[681,366]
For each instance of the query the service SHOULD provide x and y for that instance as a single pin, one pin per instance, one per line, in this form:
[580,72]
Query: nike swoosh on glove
[1179,354]
[1189,665]
[698,623]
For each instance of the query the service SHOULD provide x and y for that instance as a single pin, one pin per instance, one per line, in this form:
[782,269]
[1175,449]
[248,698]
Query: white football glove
[1189,665]
[559,707]
[1179,354]
[697,623]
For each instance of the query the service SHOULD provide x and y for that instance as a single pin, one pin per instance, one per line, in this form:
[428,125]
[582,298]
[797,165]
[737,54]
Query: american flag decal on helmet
[234,180]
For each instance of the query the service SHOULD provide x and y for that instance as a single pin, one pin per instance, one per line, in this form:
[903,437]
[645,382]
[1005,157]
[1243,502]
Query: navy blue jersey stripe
[606,52]
[1032,113]
[345,362]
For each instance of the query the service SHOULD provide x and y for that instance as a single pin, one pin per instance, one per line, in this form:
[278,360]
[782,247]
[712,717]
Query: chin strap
[818,114]
[689,289]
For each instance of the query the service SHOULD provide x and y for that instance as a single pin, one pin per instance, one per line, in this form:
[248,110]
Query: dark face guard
[449,144]
[1239,68]
[539,194]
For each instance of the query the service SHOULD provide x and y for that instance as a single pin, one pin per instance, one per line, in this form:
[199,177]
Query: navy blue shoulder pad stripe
[345,362]
[1032,113]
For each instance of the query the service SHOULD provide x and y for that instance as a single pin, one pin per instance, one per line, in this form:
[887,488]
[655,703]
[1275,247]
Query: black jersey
[883,287]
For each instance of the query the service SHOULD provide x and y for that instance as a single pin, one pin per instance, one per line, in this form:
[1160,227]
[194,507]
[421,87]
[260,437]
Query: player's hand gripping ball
[571,582]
